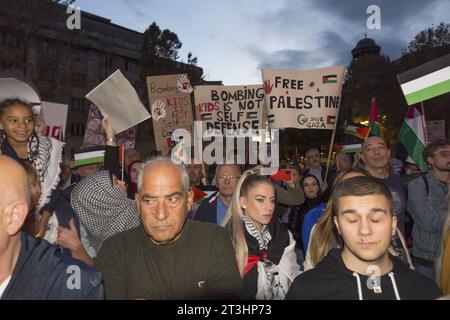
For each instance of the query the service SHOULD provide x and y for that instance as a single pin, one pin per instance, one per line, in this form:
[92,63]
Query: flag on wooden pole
[412,136]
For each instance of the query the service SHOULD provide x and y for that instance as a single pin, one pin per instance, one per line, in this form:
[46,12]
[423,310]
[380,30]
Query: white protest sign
[11,88]
[230,107]
[116,98]
[55,117]
[303,99]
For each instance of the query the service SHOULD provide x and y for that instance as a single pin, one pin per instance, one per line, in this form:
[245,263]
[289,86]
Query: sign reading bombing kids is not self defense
[303,99]
[171,108]
[230,107]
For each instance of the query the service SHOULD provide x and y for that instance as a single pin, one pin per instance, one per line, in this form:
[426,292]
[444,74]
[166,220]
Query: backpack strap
[427,187]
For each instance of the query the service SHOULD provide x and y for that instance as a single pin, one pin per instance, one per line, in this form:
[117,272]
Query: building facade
[63,65]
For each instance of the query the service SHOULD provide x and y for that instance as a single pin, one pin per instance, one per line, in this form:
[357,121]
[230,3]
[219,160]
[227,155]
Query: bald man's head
[14,184]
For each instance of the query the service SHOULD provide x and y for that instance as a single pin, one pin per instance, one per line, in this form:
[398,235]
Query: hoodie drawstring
[358,280]
[394,285]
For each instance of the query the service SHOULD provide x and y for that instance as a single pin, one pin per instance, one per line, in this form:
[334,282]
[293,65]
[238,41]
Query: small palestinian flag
[199,195]
[206,117]
[84,156]
[271,118]
[412,136]
[331,78]
[348,148]
[331,120]
[358,133]
[427,81]
[252,115]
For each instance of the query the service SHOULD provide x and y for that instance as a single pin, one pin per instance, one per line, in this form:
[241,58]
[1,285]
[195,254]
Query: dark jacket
[331,280]
[42,272]
[207,211]
[297,216]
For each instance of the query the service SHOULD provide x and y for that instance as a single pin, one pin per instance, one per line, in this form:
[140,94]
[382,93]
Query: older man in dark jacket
[32,269]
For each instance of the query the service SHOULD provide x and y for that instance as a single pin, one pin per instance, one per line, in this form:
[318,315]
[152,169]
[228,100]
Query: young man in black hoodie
[32,269]
[363,215]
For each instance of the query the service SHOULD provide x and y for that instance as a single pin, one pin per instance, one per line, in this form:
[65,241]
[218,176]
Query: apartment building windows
[78,103]
[131,66]
[77,129]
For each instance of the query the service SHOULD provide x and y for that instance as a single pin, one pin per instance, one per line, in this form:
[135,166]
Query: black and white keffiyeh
[102,209]
[279,267]
[45,154]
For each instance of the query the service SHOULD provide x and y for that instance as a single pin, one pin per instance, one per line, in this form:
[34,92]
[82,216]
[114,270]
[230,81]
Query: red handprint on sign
[183,84]
[268,87]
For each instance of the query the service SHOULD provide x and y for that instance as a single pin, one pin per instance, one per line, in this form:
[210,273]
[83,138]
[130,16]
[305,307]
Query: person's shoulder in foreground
[44,272]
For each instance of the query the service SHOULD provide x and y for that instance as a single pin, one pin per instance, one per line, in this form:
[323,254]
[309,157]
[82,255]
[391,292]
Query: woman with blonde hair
[264,247]
[442,264]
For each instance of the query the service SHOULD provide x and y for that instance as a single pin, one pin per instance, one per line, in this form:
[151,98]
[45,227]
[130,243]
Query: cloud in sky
[326,31]
[233,39]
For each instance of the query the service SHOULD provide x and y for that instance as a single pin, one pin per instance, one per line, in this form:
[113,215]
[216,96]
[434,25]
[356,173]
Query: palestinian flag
[412,136]
[252,115]
[84,156]
[374,121]
[427,81]
[206,117]
[199,195]
[331,120]
[357,132]
[348,148]
[331,78]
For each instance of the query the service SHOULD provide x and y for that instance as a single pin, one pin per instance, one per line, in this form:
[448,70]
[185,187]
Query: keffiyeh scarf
[45,155]
[277,266]
[102,208]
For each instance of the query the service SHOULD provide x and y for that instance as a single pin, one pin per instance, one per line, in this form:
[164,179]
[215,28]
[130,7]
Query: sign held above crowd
[171,107]
[227,108]
[116,98]
[303,99]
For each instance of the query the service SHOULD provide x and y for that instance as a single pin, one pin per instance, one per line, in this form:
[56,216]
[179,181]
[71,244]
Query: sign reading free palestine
[303,99]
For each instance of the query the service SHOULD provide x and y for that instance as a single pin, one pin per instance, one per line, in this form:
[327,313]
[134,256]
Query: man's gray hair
[311,150]
[184,175]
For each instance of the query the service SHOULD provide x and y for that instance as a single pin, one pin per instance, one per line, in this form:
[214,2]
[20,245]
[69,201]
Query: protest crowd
[105,222]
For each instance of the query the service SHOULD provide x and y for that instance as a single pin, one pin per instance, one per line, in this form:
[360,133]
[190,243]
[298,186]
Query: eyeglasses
[444,154]
[230,178]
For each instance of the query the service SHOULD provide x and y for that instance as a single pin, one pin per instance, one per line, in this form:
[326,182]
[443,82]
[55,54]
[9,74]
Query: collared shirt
[3,285]
[221,209]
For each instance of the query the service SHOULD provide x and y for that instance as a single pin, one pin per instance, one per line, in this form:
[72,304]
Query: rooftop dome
[365,46]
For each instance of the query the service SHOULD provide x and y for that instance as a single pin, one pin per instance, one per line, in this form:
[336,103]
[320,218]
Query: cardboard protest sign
[230,107]
[117,98]
[95,135]
[55,117]
[171,107]
[303,99]
[435,130]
